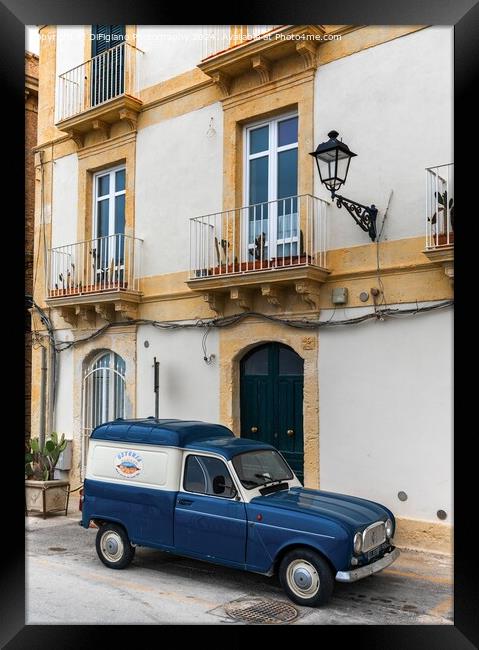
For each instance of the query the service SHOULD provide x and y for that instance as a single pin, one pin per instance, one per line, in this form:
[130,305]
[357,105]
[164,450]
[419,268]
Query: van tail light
[80,505]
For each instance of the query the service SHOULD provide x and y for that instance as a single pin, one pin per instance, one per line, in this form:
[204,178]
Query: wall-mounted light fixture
[333,158]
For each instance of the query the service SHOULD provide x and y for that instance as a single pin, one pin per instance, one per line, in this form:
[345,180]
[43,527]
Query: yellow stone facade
[408,275]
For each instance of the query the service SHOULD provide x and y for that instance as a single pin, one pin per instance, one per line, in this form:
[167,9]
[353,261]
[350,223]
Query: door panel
[211,526]
[258,396]
[290,416]
[272,400]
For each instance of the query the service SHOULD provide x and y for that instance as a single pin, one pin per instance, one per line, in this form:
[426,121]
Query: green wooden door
[272,400]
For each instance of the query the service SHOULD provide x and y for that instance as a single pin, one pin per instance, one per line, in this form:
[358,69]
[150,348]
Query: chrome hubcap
[112,546]
[303,579]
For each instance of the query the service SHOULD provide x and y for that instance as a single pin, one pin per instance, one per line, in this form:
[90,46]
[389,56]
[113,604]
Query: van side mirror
[220,487]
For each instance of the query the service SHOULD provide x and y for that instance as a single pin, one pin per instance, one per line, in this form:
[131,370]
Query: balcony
[230,51]
[218,38]
[440,215]
[271,249]
[100,92]
[95,277]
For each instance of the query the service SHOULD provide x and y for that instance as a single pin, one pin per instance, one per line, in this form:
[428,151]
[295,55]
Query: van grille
[373,536]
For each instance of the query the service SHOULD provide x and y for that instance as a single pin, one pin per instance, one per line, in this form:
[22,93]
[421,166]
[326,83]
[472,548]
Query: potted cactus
[43,493]
[443,220]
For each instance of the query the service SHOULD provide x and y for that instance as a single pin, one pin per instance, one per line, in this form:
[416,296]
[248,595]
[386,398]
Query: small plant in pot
[43,493]
[443,220]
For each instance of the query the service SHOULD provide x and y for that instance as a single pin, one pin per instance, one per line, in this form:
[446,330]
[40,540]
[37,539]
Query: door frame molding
[234,343]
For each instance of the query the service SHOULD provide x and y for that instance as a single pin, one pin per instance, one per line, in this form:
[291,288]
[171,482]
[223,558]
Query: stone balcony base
[278,286]
[85,311]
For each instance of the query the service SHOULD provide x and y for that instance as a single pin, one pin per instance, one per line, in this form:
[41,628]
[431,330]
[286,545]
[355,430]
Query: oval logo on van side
[128,463]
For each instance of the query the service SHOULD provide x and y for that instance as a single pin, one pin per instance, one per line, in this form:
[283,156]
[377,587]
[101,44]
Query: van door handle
[185,502]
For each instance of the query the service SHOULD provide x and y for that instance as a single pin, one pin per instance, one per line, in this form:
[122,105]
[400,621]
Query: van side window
[207,475]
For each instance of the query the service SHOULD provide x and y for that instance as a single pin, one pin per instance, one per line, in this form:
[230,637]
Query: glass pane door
[109,217]
[287,188]
[258,212]
[271,189]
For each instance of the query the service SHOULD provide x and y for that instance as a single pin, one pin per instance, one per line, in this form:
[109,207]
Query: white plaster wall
[392,104]
[189,388]
[168,51]
[386,411]
[70,52]
[178,175]
[65,200]
[63,418]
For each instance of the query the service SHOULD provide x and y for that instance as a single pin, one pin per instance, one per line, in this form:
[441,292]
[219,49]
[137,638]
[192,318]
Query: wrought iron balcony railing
[439,206]
[97,265]
[217,38]
[108,75]
[278,234]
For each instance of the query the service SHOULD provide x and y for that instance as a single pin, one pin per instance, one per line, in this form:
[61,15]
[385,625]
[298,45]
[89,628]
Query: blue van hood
[352,512]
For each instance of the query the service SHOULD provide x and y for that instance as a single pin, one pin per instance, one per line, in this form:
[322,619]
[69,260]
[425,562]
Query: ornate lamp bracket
[364,215]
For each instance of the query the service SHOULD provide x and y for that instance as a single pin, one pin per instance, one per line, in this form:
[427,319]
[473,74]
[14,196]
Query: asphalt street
[67,584]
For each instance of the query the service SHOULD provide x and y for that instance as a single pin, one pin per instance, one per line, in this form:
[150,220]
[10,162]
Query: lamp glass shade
[332,159]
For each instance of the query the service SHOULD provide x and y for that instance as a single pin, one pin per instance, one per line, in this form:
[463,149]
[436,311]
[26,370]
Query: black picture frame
[464,15]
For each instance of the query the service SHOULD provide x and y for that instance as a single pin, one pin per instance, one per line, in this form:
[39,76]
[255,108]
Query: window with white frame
[109,224]
[271,187]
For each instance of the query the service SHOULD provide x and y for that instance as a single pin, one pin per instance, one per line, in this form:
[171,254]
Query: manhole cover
[56,549]
[261,610]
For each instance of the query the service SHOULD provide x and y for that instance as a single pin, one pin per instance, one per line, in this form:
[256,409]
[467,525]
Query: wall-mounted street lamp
[333,158]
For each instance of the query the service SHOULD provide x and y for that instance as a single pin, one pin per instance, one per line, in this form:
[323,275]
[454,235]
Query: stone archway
[235,342]
[122,341]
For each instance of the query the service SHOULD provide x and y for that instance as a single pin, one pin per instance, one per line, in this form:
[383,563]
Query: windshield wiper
[269,479]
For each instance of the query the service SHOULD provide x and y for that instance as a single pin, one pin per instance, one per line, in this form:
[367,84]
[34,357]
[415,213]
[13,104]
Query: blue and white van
[197,490]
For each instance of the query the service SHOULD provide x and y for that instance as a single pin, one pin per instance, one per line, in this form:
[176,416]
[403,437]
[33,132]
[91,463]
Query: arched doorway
[271,400]
[103,390]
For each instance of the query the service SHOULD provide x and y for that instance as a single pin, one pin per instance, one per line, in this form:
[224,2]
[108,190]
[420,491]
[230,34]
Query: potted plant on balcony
[445,206]
[43,493]
[261,260]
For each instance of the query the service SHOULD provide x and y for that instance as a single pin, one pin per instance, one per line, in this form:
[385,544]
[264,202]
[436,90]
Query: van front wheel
[113,546]
[306,577]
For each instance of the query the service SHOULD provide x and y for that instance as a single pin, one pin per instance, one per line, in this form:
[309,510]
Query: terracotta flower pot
[441,239]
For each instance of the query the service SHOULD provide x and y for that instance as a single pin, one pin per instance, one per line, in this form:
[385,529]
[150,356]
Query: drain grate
[261,610]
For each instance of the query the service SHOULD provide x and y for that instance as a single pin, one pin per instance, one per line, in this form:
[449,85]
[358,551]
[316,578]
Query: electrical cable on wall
[207,358]
[378,267]
[229,321]
[36,337]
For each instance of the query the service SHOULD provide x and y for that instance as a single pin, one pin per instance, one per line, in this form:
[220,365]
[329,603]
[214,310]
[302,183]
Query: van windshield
[260,467]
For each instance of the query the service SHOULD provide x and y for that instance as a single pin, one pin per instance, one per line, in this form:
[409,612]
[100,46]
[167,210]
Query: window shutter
[105,37]
[117,33]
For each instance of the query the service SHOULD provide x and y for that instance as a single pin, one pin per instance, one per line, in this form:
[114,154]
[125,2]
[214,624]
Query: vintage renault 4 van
[195,489]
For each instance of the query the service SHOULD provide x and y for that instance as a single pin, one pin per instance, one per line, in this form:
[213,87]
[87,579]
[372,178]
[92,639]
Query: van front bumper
[368,569]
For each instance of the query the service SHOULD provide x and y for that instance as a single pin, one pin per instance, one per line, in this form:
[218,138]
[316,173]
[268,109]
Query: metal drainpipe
[156,366]
[51,390]
[43,388]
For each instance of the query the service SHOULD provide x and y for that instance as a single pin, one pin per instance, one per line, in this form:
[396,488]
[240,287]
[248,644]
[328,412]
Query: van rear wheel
[113,546]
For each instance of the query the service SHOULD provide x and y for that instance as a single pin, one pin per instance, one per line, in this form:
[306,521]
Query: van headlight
[389,528]
[358,543]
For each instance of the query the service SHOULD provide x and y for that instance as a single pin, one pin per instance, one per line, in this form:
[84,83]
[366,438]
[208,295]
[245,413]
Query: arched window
[103,390]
